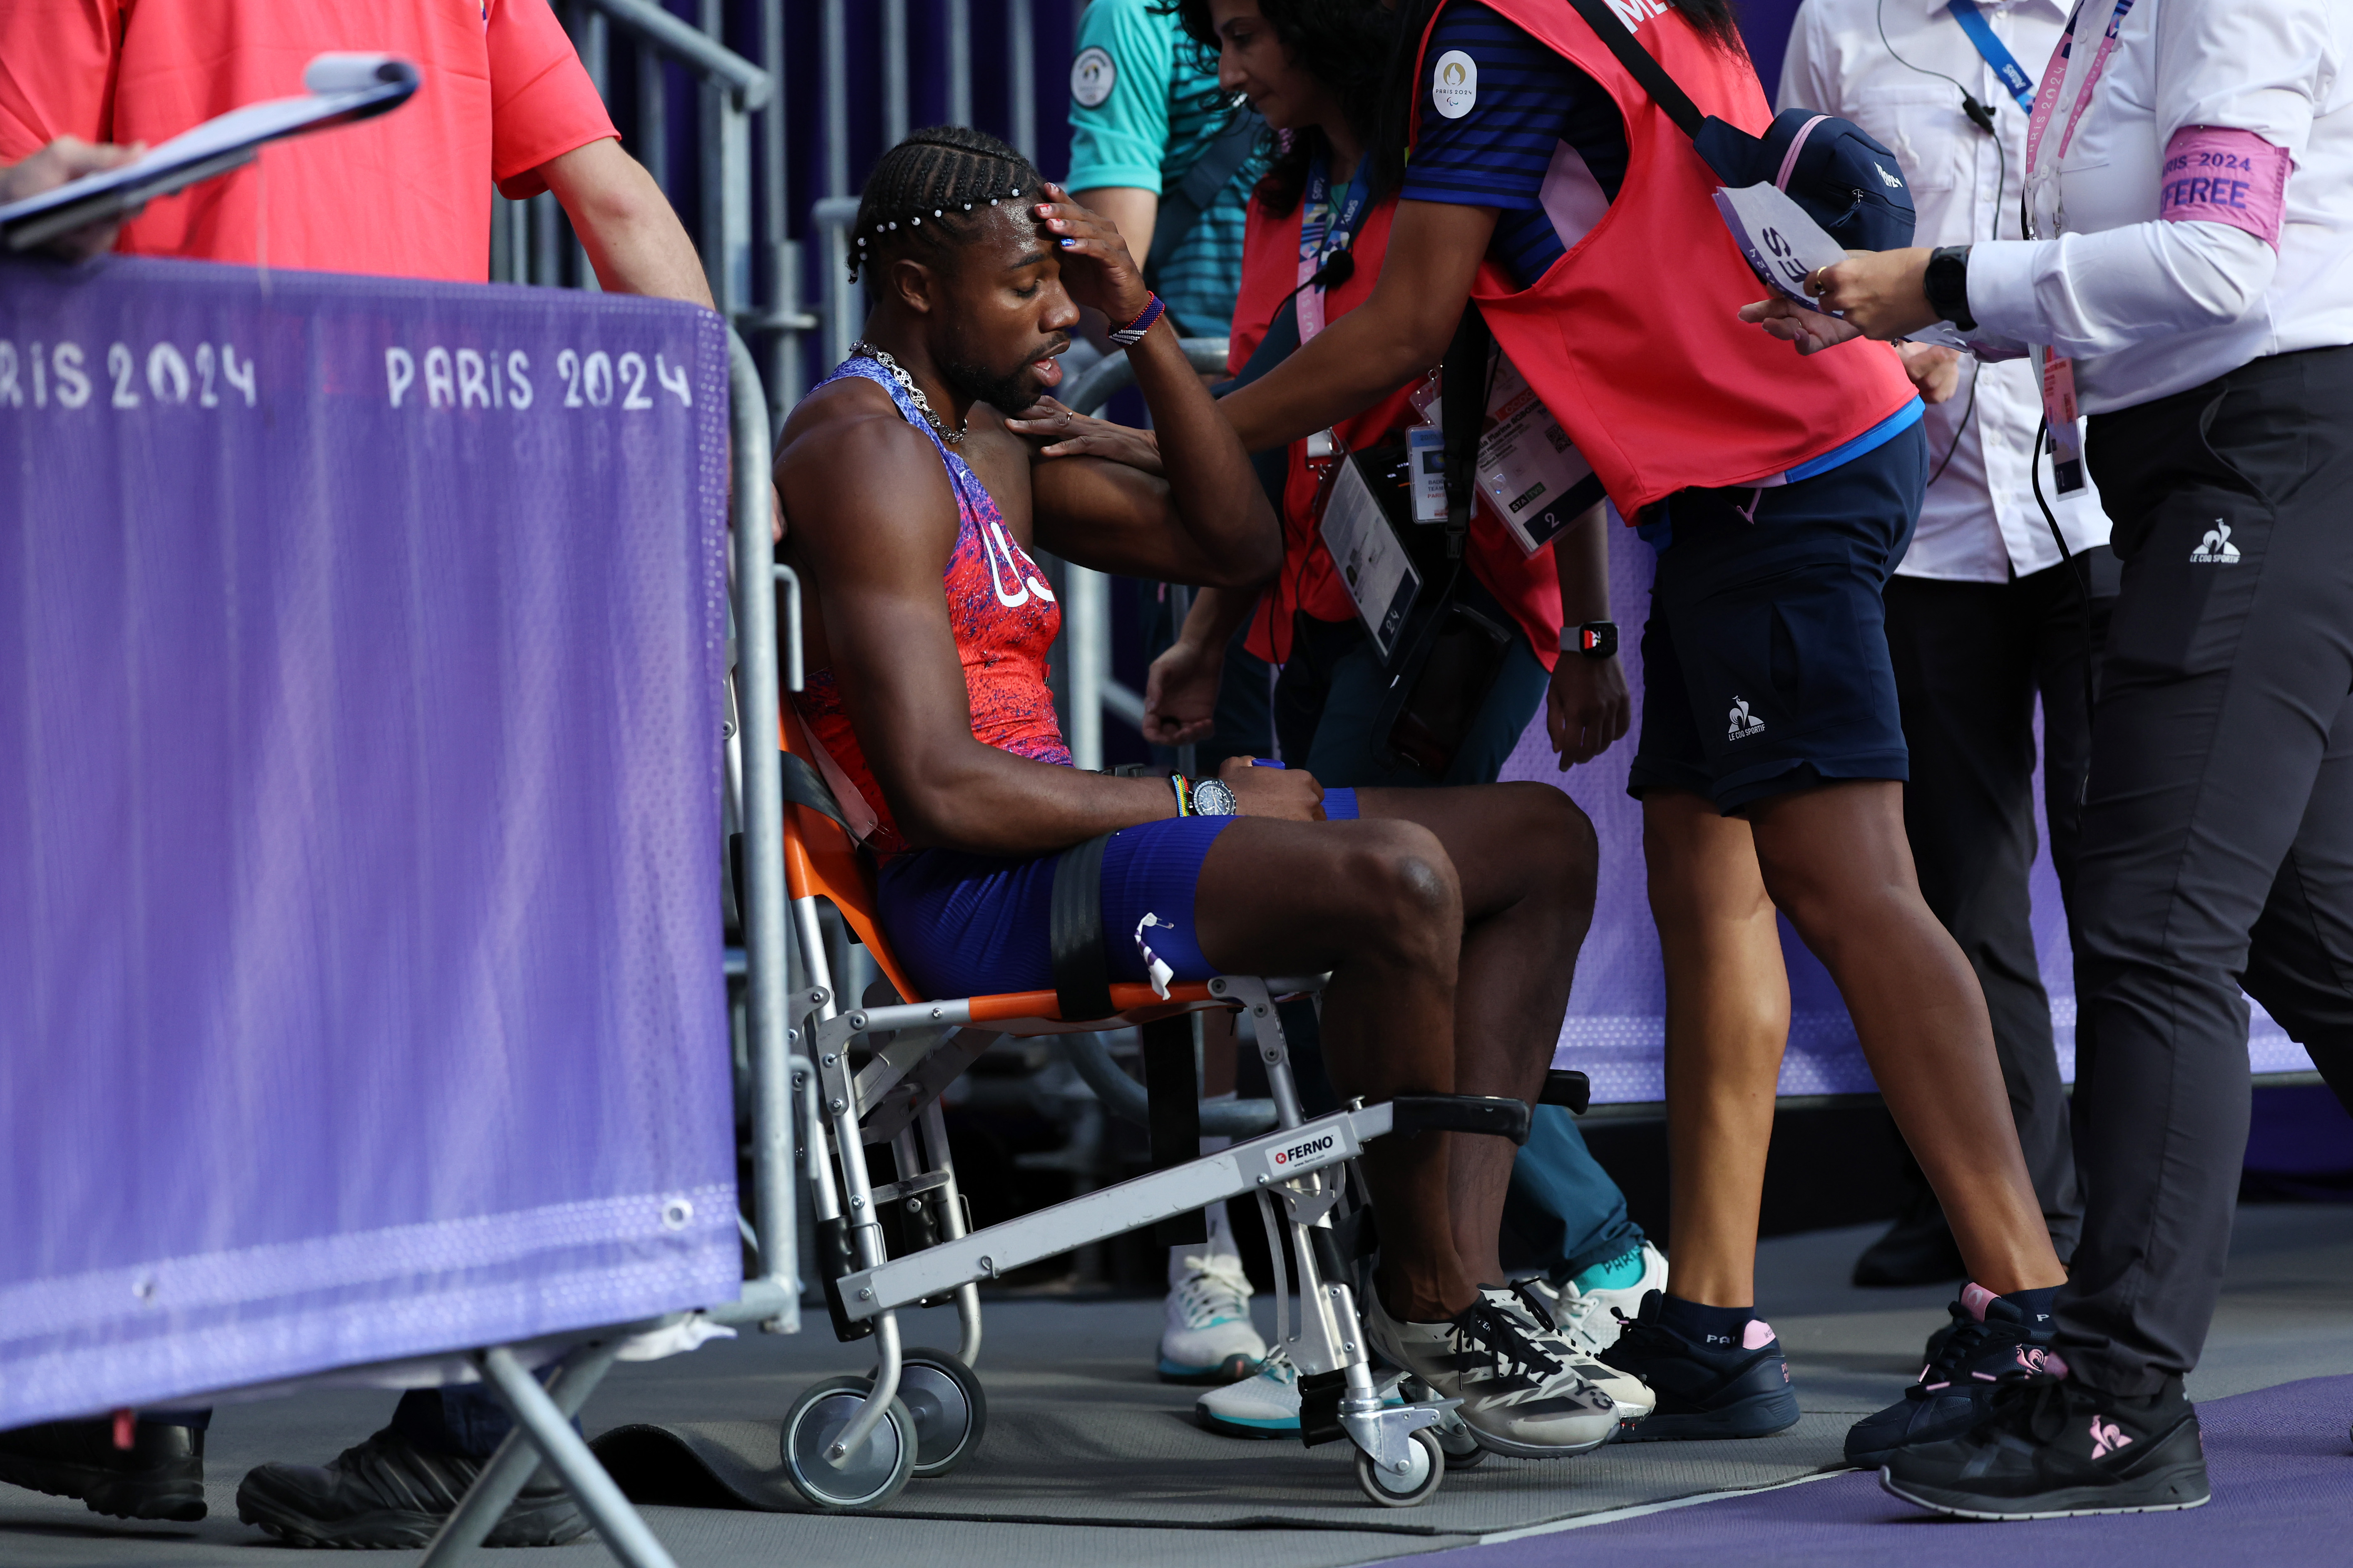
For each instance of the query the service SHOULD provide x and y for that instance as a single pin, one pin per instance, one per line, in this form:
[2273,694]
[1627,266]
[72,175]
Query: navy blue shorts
[977,925]
[1764,663]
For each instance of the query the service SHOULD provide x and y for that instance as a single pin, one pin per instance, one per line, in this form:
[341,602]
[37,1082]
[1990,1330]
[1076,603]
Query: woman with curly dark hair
[1317,71]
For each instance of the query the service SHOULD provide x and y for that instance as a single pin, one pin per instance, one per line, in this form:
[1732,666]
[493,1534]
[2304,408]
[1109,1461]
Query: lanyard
[1997,53]
[2054,76]
[1322,235]
[2059,405]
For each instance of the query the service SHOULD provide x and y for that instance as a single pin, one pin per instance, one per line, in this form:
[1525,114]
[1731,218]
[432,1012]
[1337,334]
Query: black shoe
[388,1492]
[160,1475]
[1738,1391]
[2053,1448]
[1917,1249]
[1979,1354]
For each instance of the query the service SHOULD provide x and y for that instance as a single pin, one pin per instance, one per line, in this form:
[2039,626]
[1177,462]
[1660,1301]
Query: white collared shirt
[1980,522]
[2148,307]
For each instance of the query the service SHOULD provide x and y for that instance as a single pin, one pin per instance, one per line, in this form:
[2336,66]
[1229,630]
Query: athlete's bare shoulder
[850,468]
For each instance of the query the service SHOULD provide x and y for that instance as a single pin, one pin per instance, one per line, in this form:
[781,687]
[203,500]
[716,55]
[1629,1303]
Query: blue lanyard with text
[1997,53]
[1322,235]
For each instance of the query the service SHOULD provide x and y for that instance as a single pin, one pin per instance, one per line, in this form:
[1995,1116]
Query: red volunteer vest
[1528,587]
[1632,338]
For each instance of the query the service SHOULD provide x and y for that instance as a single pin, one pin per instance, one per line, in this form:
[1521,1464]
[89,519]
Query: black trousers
[1971,659]
[2218,838]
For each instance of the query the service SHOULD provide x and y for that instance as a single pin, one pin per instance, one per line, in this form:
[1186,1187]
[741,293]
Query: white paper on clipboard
[1781,243]
[1379,577]
[342,88]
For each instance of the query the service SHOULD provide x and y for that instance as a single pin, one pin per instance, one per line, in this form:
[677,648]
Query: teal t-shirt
[1144,108]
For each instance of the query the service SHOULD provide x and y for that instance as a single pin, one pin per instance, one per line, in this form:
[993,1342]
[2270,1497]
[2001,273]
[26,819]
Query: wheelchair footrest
[1498,1114]
[1319,1407]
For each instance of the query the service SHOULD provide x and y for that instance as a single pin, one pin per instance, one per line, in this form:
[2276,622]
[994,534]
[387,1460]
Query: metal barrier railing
[757,283]
[527,242]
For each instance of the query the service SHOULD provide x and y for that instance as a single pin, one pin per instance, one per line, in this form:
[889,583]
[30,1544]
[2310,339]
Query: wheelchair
[853,1442]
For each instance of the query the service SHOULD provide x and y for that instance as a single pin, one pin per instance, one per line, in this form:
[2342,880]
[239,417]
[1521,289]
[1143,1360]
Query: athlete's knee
[1398,888]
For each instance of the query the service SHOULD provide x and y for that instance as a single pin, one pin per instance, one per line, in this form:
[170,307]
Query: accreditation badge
[2059,408]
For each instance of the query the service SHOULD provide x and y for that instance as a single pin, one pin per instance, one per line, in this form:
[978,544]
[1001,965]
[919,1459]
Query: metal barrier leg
[511,1468]
[624,1531]
[767,971]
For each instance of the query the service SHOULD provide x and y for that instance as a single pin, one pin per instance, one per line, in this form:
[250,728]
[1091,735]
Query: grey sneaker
[1630,1393]
[1518,1397]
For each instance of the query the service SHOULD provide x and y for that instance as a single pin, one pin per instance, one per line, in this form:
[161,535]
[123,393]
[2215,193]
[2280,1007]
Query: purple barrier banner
[361,645]
[1616,1027]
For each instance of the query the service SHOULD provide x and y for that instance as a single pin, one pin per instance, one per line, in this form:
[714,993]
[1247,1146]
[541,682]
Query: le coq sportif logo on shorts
[2216,549]
[1744,723]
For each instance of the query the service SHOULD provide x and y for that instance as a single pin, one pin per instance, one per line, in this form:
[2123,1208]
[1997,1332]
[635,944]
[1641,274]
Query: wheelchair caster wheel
[1425,1468]
[950,1411]
[873,1474]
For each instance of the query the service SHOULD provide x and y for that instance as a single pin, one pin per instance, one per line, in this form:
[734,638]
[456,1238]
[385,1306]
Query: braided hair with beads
[932,193]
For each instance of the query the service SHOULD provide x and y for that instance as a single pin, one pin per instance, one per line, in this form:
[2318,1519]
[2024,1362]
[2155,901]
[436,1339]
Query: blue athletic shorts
[1764,663]
[977,925]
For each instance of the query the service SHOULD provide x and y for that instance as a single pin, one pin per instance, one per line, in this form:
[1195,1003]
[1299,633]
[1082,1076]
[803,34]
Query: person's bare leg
[1727,1024]
[1525,858]
[1376,905]
[1836,859]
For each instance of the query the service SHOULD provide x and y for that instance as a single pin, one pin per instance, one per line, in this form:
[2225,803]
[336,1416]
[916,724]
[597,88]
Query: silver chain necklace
[952,438]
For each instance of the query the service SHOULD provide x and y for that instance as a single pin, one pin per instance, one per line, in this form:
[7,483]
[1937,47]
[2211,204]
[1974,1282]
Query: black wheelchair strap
[1075,932]
[1497,1115]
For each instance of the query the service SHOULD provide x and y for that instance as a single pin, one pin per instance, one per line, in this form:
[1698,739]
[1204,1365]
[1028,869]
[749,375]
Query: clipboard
[343,89]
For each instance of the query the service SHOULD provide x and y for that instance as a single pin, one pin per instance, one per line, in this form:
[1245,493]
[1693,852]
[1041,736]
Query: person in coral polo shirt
[504,99]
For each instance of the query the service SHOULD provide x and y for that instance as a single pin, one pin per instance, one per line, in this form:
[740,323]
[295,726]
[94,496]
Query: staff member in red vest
[1546,185]
[1316,70]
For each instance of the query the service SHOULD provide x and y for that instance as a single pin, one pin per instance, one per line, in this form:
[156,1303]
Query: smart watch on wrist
[1947,286]
[1594,639]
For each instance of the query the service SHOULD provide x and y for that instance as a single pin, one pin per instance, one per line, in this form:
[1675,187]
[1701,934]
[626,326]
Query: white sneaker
[1518,1397]
[1267,1405]
[1630,1393]
[1209,1337]
[1593,1318]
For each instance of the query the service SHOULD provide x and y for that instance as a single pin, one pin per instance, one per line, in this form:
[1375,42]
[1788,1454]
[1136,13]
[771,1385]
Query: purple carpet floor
[2280,1461]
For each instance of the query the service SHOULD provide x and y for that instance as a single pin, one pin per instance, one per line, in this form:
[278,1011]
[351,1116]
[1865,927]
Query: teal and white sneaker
[1593,1308]
[1209,1337]
[1266,1406]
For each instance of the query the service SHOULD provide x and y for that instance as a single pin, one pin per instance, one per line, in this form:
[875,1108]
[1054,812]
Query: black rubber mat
[1141,1461]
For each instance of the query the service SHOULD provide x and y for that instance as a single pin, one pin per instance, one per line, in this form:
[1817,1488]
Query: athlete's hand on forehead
[1097,269]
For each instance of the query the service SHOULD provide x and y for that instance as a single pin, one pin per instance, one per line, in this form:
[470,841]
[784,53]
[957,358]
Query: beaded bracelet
[1133,333]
